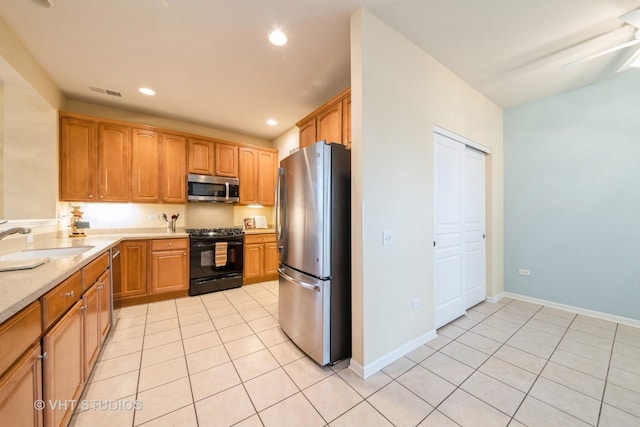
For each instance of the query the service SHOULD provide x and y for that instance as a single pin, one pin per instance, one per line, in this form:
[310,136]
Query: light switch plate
[387,238]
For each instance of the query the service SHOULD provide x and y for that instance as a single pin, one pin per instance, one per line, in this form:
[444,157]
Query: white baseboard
[496,298]
[376,365]
[572,309]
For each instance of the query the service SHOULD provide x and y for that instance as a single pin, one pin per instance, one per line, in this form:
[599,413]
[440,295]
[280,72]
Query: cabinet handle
[68,294]
[43,356]
[84,307]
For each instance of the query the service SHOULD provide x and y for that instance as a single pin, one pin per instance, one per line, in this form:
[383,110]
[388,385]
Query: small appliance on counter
[216,260]
[76,223]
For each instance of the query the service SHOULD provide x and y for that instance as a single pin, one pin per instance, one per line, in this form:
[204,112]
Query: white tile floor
[221,360]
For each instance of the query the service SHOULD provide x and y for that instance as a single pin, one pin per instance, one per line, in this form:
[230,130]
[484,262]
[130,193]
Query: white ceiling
[210,61]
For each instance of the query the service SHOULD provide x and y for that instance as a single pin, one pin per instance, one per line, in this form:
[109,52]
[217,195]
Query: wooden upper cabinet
[267,170]
[346,121]
[114,163]
[78,160]
[307,132]
[173,163]
[226,160]
[329,124]
[145,166]
[248,169]
[201,156]
[257,176]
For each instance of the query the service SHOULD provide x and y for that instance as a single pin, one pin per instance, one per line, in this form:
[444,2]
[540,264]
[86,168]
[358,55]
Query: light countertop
[20,288]
[259,231]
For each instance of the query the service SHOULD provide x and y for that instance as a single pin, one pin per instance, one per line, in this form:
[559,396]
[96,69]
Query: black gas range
[216,260]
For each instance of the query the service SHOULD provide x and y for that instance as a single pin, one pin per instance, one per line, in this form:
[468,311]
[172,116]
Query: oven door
[216,258]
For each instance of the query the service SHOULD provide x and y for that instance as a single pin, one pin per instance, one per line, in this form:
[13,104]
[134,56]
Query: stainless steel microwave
[205,188]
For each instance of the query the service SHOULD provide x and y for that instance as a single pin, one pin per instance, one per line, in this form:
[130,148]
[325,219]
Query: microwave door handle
[226,185]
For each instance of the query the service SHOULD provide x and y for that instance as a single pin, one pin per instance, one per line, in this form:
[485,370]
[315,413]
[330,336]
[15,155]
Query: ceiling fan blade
[629,62]
[632,18]
[605,52]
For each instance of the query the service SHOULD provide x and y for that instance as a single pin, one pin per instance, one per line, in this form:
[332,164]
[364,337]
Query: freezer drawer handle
[297,282]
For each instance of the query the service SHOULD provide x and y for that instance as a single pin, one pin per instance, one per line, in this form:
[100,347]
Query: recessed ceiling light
[146,91]
[271,122]
[278,38]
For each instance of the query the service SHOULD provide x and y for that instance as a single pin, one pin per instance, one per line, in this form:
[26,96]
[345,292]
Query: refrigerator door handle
[305,285]
[279,200]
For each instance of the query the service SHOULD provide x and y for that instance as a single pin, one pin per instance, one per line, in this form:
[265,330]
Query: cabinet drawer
[259,238]
[18,333]
[60,298]
[168,244]
[93,270]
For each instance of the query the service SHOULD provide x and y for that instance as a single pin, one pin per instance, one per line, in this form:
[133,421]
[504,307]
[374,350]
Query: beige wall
[16,54]
[29,133]
[399,93]
[287,143]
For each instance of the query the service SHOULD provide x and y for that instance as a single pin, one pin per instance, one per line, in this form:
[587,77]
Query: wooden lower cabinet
[260,258]
[133,258]
[169,266]
[90,328]
[20,387]
[152,270]
[104,305]
[63,373]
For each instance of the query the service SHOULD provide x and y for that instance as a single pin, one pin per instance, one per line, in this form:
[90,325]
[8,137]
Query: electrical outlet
[29,238]
[387,238]
[524,272]
[154,217]
[416,302]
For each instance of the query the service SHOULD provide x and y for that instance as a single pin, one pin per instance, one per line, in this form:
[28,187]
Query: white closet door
[448,228]
[474,247]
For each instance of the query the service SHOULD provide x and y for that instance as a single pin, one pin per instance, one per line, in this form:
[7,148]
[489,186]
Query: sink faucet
[14,230]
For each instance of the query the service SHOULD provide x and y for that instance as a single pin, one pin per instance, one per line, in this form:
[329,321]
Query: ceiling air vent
[105,91]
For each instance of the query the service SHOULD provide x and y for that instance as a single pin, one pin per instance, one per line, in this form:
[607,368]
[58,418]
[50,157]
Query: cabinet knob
[43,356]
[84,307]
[68,294]
[184,253]
[101,196]
[91,196]
[170,244]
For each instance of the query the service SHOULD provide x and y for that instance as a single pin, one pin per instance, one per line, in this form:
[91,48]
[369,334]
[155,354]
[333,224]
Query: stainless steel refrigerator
[313,230]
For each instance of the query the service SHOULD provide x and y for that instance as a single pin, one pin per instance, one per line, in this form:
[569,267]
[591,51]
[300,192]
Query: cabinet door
[248,169]
[271,260]
[169,271]
[114,163]
[145,166]
[62,370]
[346,122]
[78,160]
[104,304]
[201,155]
[91,329]
[226,160]
[133,267]
[173,168]
[308,132]
[20,387]
[266,178]
[329,123]
[253,261]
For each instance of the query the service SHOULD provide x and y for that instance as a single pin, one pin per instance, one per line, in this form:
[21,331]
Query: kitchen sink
[46,253]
